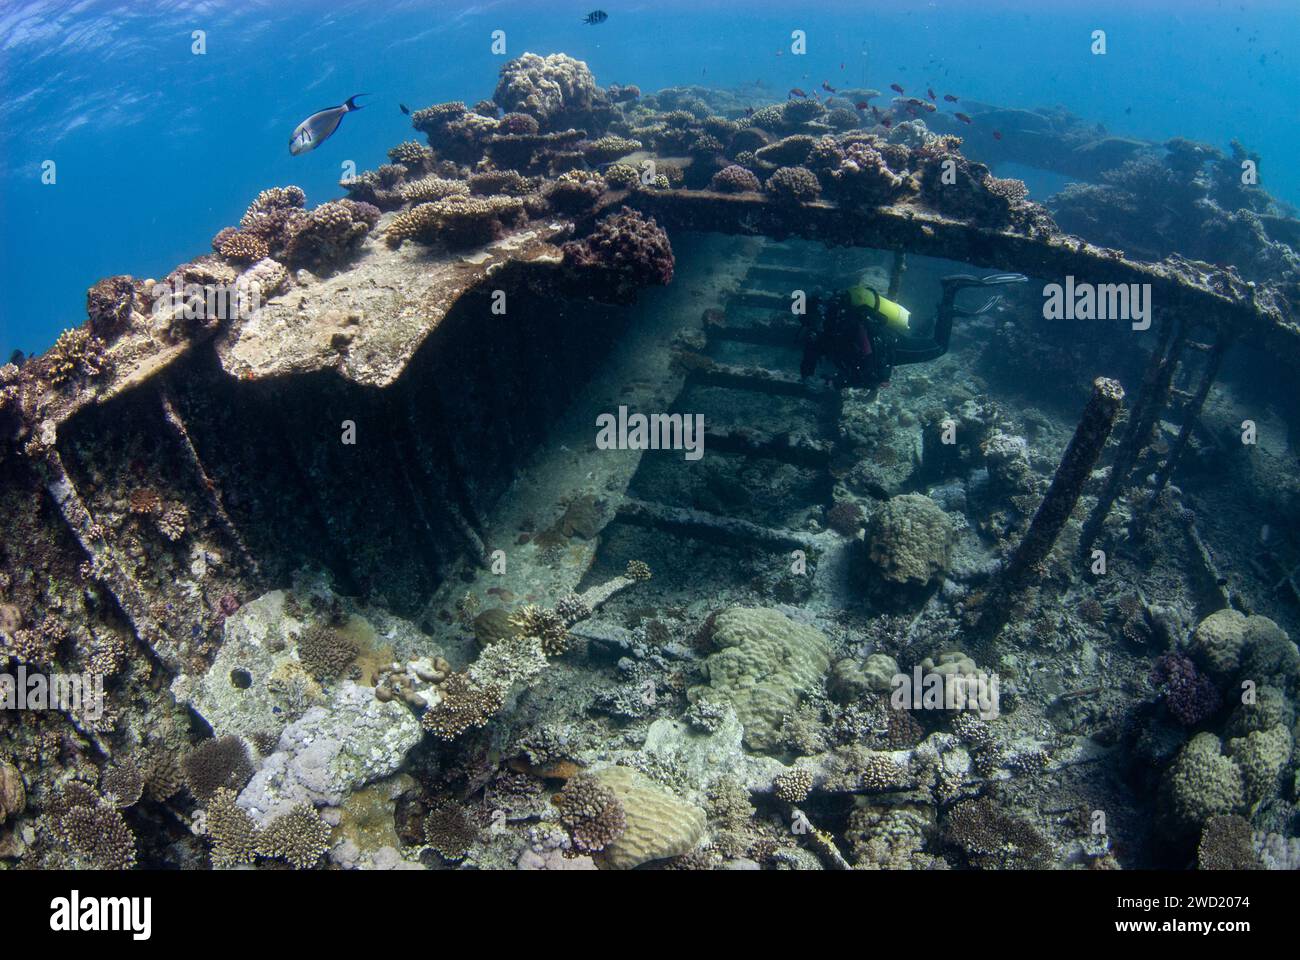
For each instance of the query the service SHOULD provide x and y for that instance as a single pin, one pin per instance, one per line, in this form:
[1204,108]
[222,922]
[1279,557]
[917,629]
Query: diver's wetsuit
[864,349]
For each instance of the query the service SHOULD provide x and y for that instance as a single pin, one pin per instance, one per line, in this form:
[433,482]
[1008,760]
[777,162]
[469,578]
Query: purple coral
[1190,695]
[630,245]
[735,179]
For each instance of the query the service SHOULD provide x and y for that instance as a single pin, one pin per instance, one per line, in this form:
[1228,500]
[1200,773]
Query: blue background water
[156,148]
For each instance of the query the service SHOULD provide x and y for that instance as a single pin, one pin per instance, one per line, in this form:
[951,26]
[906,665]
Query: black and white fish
[595,17]
[320,126]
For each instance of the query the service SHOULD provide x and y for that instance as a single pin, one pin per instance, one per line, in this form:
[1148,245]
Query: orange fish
[796,92]
[896,88]
[962,117]
[950,98]
[862,105]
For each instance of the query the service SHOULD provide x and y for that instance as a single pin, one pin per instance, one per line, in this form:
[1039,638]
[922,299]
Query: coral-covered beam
[1026,564]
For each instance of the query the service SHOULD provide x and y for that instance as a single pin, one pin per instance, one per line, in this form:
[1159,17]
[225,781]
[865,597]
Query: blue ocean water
[157,147]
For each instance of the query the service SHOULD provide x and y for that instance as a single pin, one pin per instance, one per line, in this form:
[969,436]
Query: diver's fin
[989,304]
[959,280]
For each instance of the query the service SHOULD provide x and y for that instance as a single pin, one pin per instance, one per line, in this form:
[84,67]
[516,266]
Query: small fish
[911,111]
[749,111]
[950,98]
[796,92]
[320,126]
[861,105]
[886,123]
[962,117]
[841,66]
[997,134]
[896,88]
[827,87]
[595,17]
[405,109]
[930,91]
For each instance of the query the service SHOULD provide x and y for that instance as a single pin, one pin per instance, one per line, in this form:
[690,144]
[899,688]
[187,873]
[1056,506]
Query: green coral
[1261,756]
[909,540]
[765,665]
[1201,783]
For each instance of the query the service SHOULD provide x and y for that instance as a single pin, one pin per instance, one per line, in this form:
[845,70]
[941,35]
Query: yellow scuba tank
[896,315]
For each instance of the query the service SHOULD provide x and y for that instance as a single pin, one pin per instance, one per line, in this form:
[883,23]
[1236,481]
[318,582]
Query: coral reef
[764,665]
[299,837]
[793,185]
[557,91]
[626,245]
[908,541]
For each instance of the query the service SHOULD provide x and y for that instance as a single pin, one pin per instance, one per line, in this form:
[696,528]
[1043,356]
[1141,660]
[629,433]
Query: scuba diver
[865,335]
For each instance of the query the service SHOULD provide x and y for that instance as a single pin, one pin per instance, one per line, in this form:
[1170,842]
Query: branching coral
[379,187]
[232,831]
[735,179]
[299,837]
[465,705]
[270,214]
[793,786]
[77,353]
[122,783]
[450,829]
[793,185]
[575,191]
[325,652]
[546,625]
[430,189]
[329,233]
[608,148]
[993,839]
[863,177]
[433,119]
[458,221]
[240,246]
[1227,843]
[218,763]
[491,183]
[96,834]
[411,154]
[628,244]
[1190,696]
[591,812]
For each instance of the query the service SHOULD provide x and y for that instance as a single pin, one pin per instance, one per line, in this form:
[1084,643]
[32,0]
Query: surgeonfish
[320,126]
